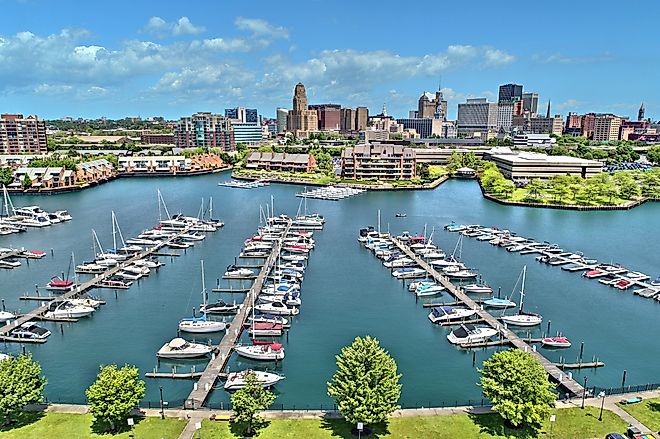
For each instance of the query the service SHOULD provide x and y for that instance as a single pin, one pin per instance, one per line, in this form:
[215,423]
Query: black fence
[595,391]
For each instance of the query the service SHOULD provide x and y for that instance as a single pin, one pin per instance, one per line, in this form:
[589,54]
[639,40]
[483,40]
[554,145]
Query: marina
[346,292]
[243,184]
[331,193]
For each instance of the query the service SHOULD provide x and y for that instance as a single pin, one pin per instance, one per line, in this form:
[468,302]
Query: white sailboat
[522,318]
[201,325]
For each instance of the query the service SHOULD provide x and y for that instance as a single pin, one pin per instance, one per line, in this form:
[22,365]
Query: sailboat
[63,283]
[201,325]
[116,230]
[522,318]
[451,260]
[101,255]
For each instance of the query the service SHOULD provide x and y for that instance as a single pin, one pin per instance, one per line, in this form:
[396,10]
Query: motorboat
[293,258]
[265,329]
[180,348]
[136,269]
[496,302]
[277,308]
[292,299]
[478,288]
[37,221]
[63,215]
[195,236]
[556,342]
[201,325]
[408,273]
[54,219]
[5,316]
[436,254]
[4,357]
[637,276]
[115,282]
[219,307]
[623,284]
[280,289]
[9,263]
[237,380]
[129,275]
[401,215]
[447,262]
[58,284]
[590,274]
[267,318]
[655,282]
[148,263]
[179,244]
[399,263]
[426,289]
[515,248]
[86,301]
[233,271]
[106,262]
[66,309]
[33,254]
[462,274]
[263,352]
[90,268]
[445,314]
[31,331]
[467,334]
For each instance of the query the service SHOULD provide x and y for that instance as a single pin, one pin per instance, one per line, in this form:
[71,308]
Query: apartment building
[19,135]
[378,161]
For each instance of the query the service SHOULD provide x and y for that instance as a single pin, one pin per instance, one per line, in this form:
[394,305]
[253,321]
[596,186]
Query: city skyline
[163,59]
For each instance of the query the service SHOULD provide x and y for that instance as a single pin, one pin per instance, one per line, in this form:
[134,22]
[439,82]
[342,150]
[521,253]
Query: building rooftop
[537,158]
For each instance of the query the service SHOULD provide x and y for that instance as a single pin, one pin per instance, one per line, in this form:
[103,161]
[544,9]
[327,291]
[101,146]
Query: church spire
[547,113]
[640,113]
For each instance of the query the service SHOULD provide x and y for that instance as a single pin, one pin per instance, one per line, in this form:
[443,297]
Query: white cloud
[185,27]
[52,89]
[261,27]
[558,58]
[497,57]
[156,25]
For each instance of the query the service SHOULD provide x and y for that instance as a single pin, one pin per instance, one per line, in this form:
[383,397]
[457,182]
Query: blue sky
[139,58]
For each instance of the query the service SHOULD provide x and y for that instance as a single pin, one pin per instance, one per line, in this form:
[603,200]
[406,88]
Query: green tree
[366,384]
[627,185]
[534,188]
[518,387]
[248,401]
[27,181]
[21,384]
[653,154]
[504,187]
[560,187]
[6,176]
[114,394]
[423,171]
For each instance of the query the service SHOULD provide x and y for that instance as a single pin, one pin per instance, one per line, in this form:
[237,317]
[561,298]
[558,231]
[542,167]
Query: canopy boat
[233,271]
[408,273]
[66,309]
[267,318]
[477,288]
[426,289]
[496,302]
[522,318]
[6,316]
[237,380]
[263,352]
[179,348]
[58,284]
[265,329]
[556,342]
[277,308]
[467,334]
[445,314]
[31,331]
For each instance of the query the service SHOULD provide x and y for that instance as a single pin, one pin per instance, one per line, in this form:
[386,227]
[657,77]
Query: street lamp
[162,411]
[360,427]
[552,423]
[602,404]
[584,391]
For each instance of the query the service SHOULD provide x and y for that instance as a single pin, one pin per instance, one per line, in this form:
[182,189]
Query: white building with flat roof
[529,165]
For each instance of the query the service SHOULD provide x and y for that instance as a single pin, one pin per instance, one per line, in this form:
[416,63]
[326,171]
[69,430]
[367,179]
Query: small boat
[427,289]
[9,263]
[33,254]
[495,302]
[31,331]
[623,284]
[237,380]
[263,352]
[66,309]
[277,308]
[6,316]
[445,314]
[655,282]
[408,273]
[477,288]
[201,325]
[467,334]
[233,271]
[522,318]
[268,318]
[179,348]
[401,215]
[265,329]
[58,284]
[219,307]
[556,342]
[590,274]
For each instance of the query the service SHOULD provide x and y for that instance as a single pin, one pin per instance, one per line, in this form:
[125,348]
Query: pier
[216,366]
[564,380]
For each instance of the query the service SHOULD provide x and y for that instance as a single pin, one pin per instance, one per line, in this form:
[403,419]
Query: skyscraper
[301,121]
[281,119]
[328,115]
[204,130]
[432,106]
[347,122]
[530,102]
[510,93]
[477,115]
[361,118]
[22,135]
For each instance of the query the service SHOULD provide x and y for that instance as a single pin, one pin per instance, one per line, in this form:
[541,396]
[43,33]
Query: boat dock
[564,380]
[216,366]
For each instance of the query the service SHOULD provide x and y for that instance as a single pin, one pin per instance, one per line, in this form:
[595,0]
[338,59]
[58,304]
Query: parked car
[634,400]
[615,436]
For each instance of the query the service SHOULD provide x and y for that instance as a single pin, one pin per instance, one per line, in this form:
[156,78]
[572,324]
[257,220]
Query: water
[347,292]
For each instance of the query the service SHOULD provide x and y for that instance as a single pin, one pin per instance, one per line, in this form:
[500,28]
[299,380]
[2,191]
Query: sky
[146,58]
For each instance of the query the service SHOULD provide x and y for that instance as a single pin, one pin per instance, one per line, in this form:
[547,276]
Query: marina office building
[528,165]
[378,161]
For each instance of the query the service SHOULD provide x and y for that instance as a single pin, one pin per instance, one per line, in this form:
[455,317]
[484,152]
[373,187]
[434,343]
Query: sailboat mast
[114,231]
[272,206]
[203,283]
[211,208]
[379,221]
[121,235]
[75,273]
[522,288]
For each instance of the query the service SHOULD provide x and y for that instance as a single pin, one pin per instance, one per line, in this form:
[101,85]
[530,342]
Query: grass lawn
[647,412]
[521,194]
[570,424]
[437,171]
[35,425]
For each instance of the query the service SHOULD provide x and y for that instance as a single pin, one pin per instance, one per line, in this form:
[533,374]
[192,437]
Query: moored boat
[237,380]
[556,342]
[262,352]
[445,314]
[467,334]
[179,348]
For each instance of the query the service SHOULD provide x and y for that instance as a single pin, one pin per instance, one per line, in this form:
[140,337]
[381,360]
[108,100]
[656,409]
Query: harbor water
[346,292]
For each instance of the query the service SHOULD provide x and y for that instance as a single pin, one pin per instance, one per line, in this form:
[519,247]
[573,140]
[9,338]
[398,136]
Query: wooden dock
[230,290]
[569,384]
[216,366]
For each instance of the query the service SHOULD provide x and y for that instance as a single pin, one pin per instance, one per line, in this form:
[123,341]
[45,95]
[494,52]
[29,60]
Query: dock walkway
[569,384]
[216,366]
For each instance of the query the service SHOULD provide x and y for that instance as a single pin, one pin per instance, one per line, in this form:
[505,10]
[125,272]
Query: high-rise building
[505,116]
[432,106]
[205,130]
[281,119]
[606,127]
[510,93]
[347,120]
[361,118]
[530,102]
[247,132]
[424,126]
[301,121]
[244,115]
[477,115]
[550,125]
[588,123]
[328,115]
[22,135]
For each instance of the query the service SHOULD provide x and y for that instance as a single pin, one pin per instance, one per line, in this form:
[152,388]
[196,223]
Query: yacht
[408,273]
[237,380]
[179,348]
[233,271]
[63,215]
[467,334]
[40,220]
[278,308]
[265,329]
[426,289]
[5,316]
[31,331]
[445,314]
[66,309]
[264,352]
